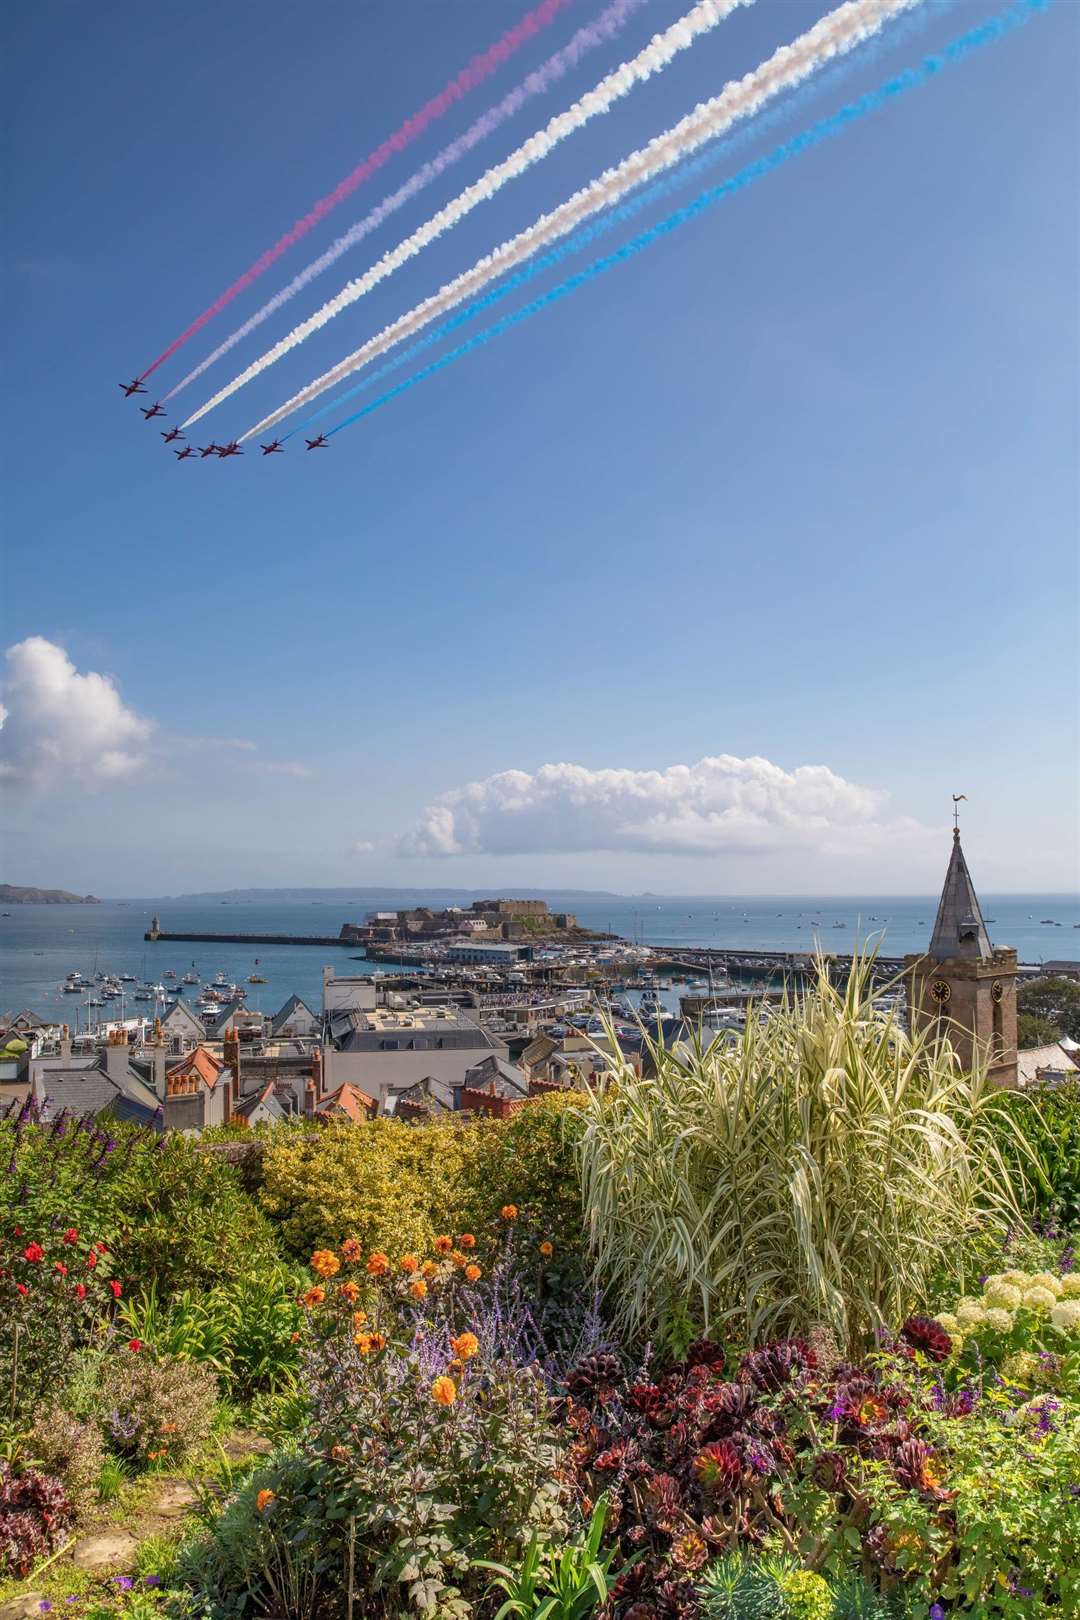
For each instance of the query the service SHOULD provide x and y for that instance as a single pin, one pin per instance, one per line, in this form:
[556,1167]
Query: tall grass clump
[819,1169]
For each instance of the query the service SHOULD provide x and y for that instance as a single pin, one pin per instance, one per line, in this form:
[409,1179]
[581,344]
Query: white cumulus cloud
[57,726]
[719,805]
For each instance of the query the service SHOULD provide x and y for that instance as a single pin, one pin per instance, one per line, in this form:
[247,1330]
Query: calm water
[40,944]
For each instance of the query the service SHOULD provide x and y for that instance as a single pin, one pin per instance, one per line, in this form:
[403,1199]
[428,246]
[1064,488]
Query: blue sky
[796,486]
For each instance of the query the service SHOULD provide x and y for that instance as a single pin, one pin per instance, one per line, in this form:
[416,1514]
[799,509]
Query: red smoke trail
[480,68]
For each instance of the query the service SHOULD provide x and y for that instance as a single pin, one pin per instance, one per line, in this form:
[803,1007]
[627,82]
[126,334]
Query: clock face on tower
[941,990]
[997,990]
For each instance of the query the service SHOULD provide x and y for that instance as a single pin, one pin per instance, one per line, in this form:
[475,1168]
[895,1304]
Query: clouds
[720,805]
[59,727]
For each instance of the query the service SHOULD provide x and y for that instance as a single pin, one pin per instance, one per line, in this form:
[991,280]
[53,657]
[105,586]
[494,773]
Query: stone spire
[959,930]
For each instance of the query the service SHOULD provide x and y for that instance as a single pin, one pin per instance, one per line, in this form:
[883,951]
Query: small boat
[168,974]
[126,978]
[256,978]
[191,978]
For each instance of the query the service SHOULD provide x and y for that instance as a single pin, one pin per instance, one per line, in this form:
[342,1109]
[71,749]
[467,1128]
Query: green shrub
[179,1218]
[818,1169]
[55,1291]
[156,1411]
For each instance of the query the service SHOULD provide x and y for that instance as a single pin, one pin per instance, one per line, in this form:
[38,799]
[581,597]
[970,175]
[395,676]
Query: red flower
[33,1252]
[71,1235]
[18,1231]
[116,1289]
[91,1259]
[923,1333]
[135,1345]
[80,1290]
[22,1288]
[61,1268]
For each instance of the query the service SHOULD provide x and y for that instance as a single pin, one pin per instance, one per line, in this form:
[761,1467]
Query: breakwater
[154,935]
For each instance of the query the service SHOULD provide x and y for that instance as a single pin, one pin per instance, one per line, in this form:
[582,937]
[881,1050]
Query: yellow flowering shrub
[395,1188]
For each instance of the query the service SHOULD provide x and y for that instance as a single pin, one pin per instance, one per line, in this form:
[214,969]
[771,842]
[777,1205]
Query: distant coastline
[13,894]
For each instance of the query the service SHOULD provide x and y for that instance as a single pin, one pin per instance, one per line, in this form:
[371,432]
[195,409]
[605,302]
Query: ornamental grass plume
[819,1169]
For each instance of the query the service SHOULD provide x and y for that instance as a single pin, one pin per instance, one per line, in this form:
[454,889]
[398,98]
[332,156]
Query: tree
[1032,1029]
[1056,1000]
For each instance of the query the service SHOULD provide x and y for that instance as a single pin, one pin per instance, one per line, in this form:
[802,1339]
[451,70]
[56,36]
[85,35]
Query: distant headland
[13,894]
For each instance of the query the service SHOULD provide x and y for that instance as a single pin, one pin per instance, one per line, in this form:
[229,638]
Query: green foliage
[156,1411]
[114,1475]
[1033,1029]
[566,1584]
[1015,1550]
[763,1588]
[1050,1121]
[245,1329]
[1055,1000]
[818,1169]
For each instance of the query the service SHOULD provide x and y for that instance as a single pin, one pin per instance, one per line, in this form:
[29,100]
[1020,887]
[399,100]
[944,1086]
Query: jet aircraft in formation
[276,447]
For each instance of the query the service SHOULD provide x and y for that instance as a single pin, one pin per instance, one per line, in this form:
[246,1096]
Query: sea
[41,944]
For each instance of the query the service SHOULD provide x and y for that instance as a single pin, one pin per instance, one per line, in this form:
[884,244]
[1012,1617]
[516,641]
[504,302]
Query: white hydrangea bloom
[1070,1285]
[948,1321]
[1066,1315]
[970,1316]
[1039,1299]
[1046,1279]
[1015,1279]
[1005,1294]
[998,1319]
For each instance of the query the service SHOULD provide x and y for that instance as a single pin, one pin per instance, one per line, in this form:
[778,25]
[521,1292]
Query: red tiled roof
[351,1101]
[200,1062]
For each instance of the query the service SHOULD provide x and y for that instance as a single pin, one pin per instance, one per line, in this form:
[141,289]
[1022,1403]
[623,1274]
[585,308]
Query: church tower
[963,985]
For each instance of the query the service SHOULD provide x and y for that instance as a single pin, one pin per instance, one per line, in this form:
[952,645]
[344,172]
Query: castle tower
[963,985]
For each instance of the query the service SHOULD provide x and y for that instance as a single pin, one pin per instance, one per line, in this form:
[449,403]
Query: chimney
[316,1072]
[231,1054]
[65,1042]
[158,1060]
[116,1055]
[309,1100]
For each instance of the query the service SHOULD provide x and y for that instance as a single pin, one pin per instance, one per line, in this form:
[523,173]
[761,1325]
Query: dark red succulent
[705,1353]
[923,1333]
[718,1467]
[779,1365]
[595,1377]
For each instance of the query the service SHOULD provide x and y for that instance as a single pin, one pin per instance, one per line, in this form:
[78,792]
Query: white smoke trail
[837,33]
[659,52]
[537,83]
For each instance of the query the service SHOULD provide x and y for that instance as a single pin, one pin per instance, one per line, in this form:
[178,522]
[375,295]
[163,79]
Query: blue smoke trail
[912,78]
[915,23]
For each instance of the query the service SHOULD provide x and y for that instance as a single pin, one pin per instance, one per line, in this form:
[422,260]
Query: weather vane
[956,810]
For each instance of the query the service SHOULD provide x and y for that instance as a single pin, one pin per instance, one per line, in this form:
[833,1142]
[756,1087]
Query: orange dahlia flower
[314,1296]
[443,1245]
[473,1273]
[378,1265]
[325,1262]
[509,1212]
[444,1391]
[465,1346]
[466,1241]
[547,1250]
[351,1250]
[409,1263]
[418,1289]
[264,1499]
